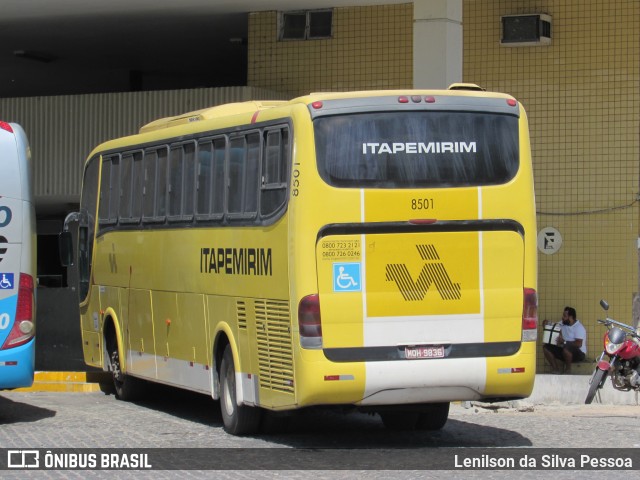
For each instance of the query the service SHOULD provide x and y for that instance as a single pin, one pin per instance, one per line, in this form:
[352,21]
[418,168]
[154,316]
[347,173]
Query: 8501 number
[422,204]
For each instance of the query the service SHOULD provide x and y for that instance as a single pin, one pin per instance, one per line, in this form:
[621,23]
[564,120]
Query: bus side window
[138,181]
[149,185]
[104,192]
[210,179]
[274,171]
[154,185]
[252,175]
[181,182]
[219,155]
[189,171]
[160,211]
[110,190]
[86,225]
[244,174]
[126,167]
[176,172]
[204,178]
[237,152]
[131,187]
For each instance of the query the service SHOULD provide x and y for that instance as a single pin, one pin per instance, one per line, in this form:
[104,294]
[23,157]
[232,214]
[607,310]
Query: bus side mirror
[65,248]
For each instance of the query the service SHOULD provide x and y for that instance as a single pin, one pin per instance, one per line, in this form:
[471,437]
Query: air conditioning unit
[527,30]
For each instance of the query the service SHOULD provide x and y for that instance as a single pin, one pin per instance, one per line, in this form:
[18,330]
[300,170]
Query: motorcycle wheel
[597,381]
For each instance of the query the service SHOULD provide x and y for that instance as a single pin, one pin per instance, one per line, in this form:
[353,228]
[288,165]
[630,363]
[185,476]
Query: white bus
[17,259]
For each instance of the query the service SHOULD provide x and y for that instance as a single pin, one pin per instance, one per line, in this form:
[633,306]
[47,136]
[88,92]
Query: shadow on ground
[18,412]
[332,427]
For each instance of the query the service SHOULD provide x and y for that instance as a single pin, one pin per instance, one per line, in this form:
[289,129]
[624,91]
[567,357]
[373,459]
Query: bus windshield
[417,149]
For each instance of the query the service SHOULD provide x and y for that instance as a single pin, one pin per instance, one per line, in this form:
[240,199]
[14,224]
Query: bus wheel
[399,420]
[434,417]
[127,388]
[237,419]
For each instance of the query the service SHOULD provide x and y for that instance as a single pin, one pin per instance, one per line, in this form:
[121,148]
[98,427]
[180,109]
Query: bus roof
[238,108]
[330,103]
[454,90]
[210,113]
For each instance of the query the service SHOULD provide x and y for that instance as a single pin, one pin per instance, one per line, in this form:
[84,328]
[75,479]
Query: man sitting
[571,343]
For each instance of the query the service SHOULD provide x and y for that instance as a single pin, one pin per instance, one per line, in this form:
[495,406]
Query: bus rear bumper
[17,366]
[419,381]
[450,380]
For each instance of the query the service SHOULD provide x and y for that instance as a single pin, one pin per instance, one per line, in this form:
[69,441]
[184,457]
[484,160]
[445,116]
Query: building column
[437,43]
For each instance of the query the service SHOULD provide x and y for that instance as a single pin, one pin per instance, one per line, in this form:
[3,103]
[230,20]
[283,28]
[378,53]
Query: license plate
[425,351]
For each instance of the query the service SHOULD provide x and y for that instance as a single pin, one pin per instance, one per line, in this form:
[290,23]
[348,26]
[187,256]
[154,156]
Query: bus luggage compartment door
[416,292]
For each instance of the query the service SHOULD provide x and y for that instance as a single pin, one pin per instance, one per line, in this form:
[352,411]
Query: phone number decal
[340,249]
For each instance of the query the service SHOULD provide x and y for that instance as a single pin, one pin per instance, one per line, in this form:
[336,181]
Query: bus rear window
[417,149]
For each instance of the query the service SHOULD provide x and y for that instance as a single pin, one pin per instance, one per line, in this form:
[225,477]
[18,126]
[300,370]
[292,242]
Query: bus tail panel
[17,366]
[11,251]
[424,306]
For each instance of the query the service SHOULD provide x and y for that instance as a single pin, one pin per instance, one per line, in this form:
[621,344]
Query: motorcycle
[622,346]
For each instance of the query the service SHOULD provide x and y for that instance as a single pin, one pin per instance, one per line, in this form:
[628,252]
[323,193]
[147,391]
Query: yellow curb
[60,377]
[61,387]
[66,382]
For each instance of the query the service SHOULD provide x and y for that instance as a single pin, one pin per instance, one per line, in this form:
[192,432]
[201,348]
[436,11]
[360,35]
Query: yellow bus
[366,249]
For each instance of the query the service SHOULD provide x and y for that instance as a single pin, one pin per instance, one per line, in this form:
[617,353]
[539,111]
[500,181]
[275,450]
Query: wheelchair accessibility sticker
[6,281]
[346,277]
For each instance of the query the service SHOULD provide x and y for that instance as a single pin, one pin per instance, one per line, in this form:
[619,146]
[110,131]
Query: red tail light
[6,126]
[530,315]
[23,328]
[309,322]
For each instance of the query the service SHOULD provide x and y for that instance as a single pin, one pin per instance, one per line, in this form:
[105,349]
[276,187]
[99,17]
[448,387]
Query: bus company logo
[3,248]
[433,273]
[236,261]
[418,147]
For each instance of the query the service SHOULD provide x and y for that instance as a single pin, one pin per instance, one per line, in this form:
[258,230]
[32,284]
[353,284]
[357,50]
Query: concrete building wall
[582,95]
[437,40]
[371,48]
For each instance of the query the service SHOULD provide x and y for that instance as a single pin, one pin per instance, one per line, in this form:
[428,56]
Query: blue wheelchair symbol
[346,277]
[6,282]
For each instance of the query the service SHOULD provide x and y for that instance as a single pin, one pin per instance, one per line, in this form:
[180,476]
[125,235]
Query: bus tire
[108,388]
[434,417]
[237,419]
[126,387]
[399,420]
